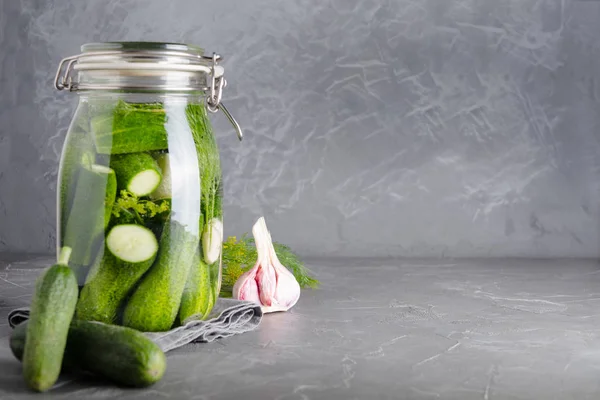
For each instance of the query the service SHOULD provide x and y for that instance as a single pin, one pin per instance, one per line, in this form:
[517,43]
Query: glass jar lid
[146,67]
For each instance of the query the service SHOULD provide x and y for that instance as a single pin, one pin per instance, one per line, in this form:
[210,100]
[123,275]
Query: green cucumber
[137,173]
[130,216]
[130,128]
[216,273]
[90,214]
[129,252]
[78,150]
[52,309]
[163,191]
[120,354]
[198,297]
[155,302]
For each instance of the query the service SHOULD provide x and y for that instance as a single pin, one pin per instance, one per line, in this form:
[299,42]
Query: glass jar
[140,220]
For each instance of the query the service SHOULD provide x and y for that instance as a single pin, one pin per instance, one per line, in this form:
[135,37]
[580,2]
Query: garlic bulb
[268,283]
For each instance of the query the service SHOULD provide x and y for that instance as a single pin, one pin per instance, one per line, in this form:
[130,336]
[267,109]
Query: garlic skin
[268,283]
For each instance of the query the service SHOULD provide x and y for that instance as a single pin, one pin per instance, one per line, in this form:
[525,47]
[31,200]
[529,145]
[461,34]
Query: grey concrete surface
[373,128]
[381,329]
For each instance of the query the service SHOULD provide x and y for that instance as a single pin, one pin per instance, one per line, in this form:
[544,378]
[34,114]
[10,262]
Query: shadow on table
[11,382]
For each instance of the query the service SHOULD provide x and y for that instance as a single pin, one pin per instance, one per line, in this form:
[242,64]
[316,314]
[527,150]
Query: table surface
[380,329]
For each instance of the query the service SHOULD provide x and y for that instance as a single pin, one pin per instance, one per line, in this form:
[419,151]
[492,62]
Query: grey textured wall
[398,127]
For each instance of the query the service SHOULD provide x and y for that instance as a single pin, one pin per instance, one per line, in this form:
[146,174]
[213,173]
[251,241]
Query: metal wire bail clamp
[64,79]
[213,100]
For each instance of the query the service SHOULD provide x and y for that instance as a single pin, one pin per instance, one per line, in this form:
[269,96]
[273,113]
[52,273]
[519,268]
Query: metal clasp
[65,81]
[213,100]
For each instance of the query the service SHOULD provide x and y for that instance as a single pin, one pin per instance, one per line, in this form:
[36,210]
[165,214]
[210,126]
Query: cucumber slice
[144,183]
[138,173]
[163,191]
[212,240]
[101,169]
[130,251]
[132,243]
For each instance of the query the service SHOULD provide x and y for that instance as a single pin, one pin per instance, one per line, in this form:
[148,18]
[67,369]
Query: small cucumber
[17,344]
[138,173]
[154,305]
[51,312]
[198,297]
[78,150]
[120,354]
[95,194]
[129,252]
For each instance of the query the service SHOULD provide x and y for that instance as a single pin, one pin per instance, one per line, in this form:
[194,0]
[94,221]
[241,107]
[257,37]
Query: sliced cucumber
[132,243]
[164,190]
[138,173]
[129,252]
[101,169]
[212,240]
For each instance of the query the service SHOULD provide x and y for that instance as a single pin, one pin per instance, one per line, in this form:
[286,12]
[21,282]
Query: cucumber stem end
[64,255]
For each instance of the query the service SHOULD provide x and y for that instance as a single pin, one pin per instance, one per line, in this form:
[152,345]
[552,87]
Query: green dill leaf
[208,160]
[142,210]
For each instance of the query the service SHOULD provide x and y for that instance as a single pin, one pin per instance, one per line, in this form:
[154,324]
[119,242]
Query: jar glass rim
[142,46]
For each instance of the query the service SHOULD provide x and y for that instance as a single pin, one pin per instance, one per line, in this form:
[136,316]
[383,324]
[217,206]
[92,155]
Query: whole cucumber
[90,214]
[198,299]
[155,302]
[130,128]
[129,251]
[78,150]
[51,312]
[120,354]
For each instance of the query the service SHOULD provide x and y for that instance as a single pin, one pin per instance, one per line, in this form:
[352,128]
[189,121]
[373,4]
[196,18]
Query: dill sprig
[127,201]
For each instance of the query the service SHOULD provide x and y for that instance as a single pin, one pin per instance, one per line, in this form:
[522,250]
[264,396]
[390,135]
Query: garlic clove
[287,291]
[265,275]
[246,288]
[267,284]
